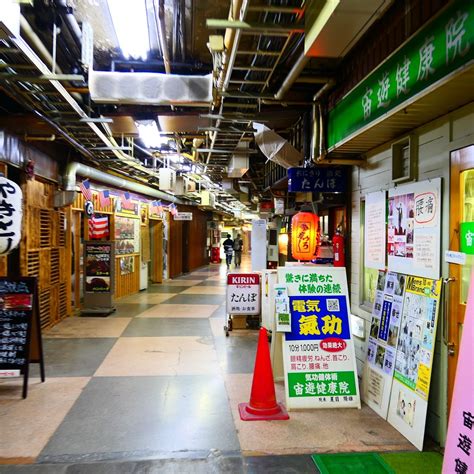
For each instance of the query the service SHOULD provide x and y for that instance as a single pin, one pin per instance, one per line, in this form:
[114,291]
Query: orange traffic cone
[263,404]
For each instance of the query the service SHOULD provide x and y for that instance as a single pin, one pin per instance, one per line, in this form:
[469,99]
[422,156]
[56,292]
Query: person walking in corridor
[228,249]
[238,245]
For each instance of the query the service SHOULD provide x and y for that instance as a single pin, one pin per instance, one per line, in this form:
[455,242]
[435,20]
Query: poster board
[415,352]
[414,230]
[258,243]
[383,340]
[459,452]
[99,277]
[243,293]
[374,238]
[318,353]
[127,235]
[20,328]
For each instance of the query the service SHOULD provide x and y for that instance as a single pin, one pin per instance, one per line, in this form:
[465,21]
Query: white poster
[383,339]
[318,352]
[374,230]
[414,360]
[258,242]
[414,215]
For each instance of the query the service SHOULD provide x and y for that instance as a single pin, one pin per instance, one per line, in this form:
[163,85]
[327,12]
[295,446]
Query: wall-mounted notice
[374,230]
[318,353]
[127,235]
[282,308]
[414,229]
[384,331]
[459,453]
[415,351]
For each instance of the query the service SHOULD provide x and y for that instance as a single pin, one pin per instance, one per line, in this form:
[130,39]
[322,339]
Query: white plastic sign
[243,293]
[11,214]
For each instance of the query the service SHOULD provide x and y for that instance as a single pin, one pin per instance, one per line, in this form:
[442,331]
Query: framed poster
[414,230]
[374,237]
[318,352]
[127,235]
[383,339]
[414,360]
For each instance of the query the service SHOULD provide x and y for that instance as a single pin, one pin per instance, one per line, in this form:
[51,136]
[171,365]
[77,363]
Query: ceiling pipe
[71,21]
[74,168]
[162,36]
[37,138]
[296,70]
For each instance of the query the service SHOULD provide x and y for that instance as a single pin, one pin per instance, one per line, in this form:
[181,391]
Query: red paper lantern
[304,235]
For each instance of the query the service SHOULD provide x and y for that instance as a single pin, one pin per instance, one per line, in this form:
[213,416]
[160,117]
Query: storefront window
[467,218]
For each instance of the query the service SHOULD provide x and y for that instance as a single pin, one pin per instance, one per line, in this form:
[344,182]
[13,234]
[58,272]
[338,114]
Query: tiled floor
[155,386]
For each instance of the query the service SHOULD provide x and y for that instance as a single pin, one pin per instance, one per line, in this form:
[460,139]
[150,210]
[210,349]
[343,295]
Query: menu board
[383,338]
[98,267]
[19,321]
[127,235]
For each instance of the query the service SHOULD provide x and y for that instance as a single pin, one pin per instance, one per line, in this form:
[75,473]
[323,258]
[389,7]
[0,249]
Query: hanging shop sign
[415,352]
[20,328]
[414,230]
[282,308]
[304,236]
[318,353]
[243,293]
[459,451]
[436,51]
[127,207]
[383,339]
[183,216]
[374,238]
[89,208]
[11,214]
[321,179]
[279,204]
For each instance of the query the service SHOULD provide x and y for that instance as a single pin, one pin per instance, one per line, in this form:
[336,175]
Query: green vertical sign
[466,236]
[441,47]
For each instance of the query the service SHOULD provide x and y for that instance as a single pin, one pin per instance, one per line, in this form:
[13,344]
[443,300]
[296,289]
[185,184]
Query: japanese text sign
[441,47]
[466,237]
[319,179]
[243,293]
[413,236]
[11,214]
[319,359]
[459,452]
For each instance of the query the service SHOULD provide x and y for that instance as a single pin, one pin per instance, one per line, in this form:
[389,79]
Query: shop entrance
[461,239]
[156,264]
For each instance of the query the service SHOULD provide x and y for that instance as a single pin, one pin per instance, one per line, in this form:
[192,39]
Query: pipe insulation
[74,168]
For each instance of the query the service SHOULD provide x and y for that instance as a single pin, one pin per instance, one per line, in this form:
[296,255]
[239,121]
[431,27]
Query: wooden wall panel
[45,251]
[127,284]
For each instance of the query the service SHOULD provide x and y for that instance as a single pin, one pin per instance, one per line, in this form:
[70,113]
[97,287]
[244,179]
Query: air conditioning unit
[167,179]
[208,200]
[189,185]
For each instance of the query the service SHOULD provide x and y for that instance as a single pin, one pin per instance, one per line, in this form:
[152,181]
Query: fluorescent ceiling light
[131,27]
[148,132]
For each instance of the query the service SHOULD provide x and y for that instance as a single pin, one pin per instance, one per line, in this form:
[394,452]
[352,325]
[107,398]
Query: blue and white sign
[320,179]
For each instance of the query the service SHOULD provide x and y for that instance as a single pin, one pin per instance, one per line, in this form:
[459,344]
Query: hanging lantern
[304,235]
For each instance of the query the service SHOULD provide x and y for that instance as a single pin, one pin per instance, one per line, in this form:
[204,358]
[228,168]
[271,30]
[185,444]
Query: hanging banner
[318,353]
[414,360]
[374,236]
[383,339]
[459,452]
[414,229]
[11,214]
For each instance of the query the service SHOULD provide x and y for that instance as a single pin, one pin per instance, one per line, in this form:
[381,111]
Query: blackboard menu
[98,263]
[19,321]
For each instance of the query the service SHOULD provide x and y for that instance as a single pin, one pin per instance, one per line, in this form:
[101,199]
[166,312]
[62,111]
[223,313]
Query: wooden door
[457,287]
[156,270]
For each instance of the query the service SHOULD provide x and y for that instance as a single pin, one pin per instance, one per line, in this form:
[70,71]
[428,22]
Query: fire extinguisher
[338,248]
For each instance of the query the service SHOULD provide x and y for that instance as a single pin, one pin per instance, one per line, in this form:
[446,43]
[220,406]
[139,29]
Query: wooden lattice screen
[46,250]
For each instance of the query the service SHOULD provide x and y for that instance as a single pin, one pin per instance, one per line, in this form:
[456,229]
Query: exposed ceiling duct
[275,147]
[149,88]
